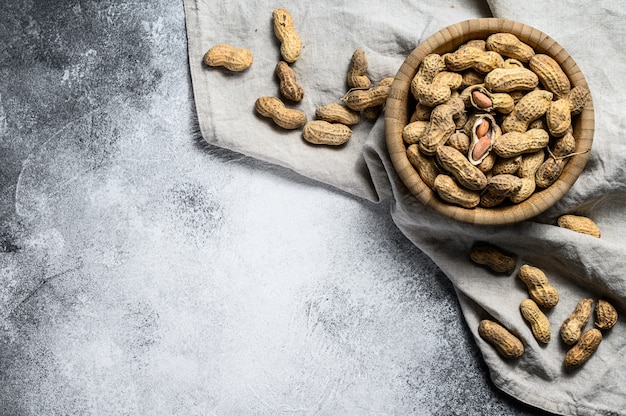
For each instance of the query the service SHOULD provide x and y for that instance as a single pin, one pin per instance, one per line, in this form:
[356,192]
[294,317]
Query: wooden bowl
[401,103]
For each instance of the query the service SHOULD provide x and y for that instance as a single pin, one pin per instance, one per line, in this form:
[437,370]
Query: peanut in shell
[606,315]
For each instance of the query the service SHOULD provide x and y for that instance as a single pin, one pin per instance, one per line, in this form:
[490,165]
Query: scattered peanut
[323,132]
[359,100]
[539,288]
[539,323]
[507,344]
[373,112]
[357,77]
[606,315]
[493,258]
[231,58]
[579,223]
[573,325]
[284,117]
[289,87]
[284,29]
[584,348]
[337,113]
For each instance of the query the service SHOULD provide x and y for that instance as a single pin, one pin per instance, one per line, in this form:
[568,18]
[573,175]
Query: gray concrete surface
[142,273]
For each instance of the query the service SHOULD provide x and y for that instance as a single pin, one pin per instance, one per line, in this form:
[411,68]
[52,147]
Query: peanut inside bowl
[489,121]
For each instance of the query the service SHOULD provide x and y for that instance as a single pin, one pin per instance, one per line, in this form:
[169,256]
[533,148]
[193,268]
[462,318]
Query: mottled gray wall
[143,273]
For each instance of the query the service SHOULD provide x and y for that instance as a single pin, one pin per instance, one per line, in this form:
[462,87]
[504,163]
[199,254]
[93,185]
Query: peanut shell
[450,191]
[507,344]
[572,326]
[550,74]
[323,132]
[606,315]
[493,258]
[284,29]
[584,348]
[337,113]
[454,162]
[580,224]
[539,323]
[539,288]
[357,77]
[425,166]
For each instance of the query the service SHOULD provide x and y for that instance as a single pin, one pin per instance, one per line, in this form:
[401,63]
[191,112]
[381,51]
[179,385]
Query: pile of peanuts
[581,342]
[492,122]
[333,121]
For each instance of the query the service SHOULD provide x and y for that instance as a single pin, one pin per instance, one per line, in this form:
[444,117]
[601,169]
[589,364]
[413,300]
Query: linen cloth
[577,265]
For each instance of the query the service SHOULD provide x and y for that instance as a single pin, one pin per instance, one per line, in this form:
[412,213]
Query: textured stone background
[143,273]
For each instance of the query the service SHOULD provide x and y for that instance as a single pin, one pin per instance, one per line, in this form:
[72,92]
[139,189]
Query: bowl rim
[397,117]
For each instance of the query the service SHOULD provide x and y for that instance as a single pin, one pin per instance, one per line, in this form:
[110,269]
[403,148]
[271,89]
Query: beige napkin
[578,265]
